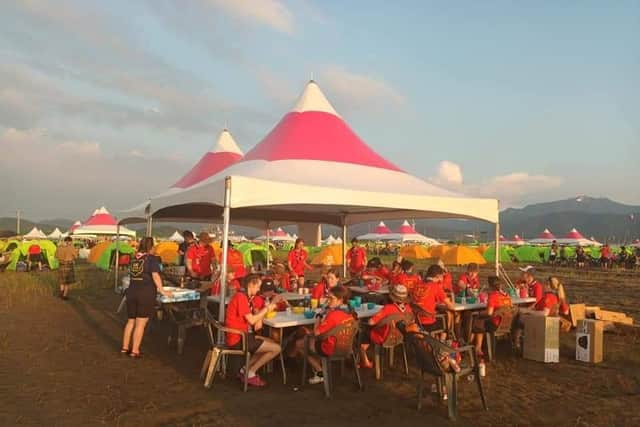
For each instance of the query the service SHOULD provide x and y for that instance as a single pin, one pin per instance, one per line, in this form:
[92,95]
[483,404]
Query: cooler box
[179,295]
[541,338]
[589,341]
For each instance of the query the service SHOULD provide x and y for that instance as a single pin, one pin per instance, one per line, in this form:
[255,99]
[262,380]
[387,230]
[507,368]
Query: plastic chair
[428,351]
[218,350]
[394,339]
[441,318]
[345,337]
[507,316]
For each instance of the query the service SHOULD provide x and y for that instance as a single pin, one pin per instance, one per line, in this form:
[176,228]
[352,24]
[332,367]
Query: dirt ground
[60,366]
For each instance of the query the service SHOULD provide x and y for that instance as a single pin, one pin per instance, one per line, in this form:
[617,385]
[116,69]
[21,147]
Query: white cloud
[512,189]
[359,91]
[271,13]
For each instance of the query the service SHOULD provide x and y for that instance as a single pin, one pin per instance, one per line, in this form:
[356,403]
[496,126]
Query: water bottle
[482,368]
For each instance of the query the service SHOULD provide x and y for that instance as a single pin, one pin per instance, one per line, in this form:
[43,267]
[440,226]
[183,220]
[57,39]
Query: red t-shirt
[605,252]
[426,295]
[380,333]
[331,320]
[472,283]
[283,281]
[496,300]
[297,258]
[548,300]
[201,257]
[383,272]
[409,280]
[235,317]
[231,284]
[34,250]
[235,262]
[356,257]
[393,277]
[320,290]
[536,290]
[447,282]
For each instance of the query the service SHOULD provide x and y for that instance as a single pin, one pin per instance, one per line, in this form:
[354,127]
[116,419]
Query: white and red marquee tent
[311,169]
[575,238]
[516,241]
[279,235]
[378,233]
[101,223]
[544,238]
[406,234]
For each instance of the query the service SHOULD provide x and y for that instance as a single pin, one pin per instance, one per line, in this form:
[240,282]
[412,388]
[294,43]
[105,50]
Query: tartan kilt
[67,273]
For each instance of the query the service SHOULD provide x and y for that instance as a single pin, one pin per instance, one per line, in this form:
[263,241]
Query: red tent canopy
[382,229]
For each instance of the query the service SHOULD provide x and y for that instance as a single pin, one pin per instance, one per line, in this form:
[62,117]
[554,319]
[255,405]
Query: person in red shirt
[297,260]
[35,255]
[241,315]
[407,278]
[534,288]
[356,259]
[426,295]
[322,290]
[281,276]
[235,262]
[558,288]
[332,317]
[200,258]
[395,272]
[487,322]
[447,279]
[399,297]
[468,281]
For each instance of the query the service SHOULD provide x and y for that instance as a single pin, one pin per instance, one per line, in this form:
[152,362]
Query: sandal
[135,355]
[124,351]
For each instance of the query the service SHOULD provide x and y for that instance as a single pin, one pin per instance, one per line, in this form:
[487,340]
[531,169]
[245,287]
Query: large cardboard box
[578,312]
[589,341]
[541,338]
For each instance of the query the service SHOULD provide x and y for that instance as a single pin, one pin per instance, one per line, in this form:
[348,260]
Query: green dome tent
[104,262]
[47,247]
[532,254]
[253,253]
[506,254]
[593,251]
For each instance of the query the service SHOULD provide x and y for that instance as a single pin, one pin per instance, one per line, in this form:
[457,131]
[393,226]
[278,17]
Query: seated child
[487,322]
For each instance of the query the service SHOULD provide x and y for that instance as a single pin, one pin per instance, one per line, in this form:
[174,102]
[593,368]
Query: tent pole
[268,251]
[225,246]
[498,243]
[344,248]
[117,264]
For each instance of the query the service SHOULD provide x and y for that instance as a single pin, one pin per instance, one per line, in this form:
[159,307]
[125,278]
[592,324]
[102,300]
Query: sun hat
[399,293]
[527,269]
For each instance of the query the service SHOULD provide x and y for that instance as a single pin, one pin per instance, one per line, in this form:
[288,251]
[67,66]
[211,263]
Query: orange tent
[330,255]
[415,252]
[482,249]
[461,255]
[97,250]
[167,251]
[439,251]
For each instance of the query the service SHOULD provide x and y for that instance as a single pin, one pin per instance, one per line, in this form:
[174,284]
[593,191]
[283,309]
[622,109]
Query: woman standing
[141,296]
[297,261]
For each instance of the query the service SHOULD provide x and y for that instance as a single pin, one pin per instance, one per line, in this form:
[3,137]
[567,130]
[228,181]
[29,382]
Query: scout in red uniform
[468,281]
[329,281]
[407,278]
[297,261]
[356,259]
[487,322]
[200,258]
[534,288]
[428,294]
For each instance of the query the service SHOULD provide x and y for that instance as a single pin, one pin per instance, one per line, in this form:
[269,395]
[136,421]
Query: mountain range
[602,218]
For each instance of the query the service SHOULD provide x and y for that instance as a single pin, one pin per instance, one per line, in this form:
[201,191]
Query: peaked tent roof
[544,238]
[516,241]
[299,173]
[74,226]
[546,234]
[575,238]
[406,228]
[382,228]
[176,237]
[100,217]
[225,153]
[35,233]
[55,234]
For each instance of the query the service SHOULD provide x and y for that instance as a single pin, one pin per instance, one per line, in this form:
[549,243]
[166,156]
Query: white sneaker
[317,378]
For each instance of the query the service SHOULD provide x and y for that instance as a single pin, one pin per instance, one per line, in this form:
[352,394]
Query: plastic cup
[371,305]
[358,299]
[352,303]
[314,303]
[300,291]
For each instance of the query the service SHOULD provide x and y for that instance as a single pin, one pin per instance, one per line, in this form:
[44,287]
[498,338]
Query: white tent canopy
[407,234]
[55,234]
[575,238]
[176,237]
[277,236]
[35,233]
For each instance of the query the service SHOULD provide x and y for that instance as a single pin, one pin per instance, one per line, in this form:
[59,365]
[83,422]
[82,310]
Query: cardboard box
[577,312]
[589,341]
[614,316]
[541,338]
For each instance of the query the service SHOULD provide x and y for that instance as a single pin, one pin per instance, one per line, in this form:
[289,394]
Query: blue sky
[110,102]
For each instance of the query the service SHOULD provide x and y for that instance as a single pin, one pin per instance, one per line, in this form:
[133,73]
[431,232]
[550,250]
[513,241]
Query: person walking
[66,255]
[141,296]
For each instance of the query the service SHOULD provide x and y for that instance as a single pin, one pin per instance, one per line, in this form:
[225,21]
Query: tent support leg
[268,251]
[225,248]
[498,247]
[344,249]
[117,263]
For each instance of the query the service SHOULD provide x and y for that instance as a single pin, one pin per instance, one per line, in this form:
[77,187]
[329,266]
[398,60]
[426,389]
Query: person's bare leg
[126,336]
[363,355]
[314,361]
[138,333]
[65,291]
[267,351]
[478,339]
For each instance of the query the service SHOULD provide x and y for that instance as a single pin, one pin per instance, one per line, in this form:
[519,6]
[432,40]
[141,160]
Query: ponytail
[561,295]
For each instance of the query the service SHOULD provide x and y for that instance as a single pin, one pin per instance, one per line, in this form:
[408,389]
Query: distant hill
[47,226]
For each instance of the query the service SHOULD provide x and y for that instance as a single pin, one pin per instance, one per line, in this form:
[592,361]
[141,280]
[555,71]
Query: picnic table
[283,320]
[383,290]
[482,305]
[185,310]
[289,296]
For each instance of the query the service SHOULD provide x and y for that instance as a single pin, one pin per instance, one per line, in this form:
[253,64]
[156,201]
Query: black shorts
[435,326]
[480,326]
[35,257]
[141,301]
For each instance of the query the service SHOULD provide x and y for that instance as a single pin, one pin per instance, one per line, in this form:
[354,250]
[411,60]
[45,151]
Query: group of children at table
[429,293]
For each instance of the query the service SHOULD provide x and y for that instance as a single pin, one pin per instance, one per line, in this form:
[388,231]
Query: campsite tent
[575,238]
[97,250]
[515,241]
[531,254]
[439,251]
[506,254]
[167,251]
[378,233]
[102,223]
[74,226]
[176,237]
[55,234]
[21,251]
[329,255]
[462,255]
[35,234]
[253,254]
[303,173]
[277,236]
[545,238]
[415,252]
[406,233]
[105,261]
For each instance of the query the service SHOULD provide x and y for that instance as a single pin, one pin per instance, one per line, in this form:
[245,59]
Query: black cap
[268,285]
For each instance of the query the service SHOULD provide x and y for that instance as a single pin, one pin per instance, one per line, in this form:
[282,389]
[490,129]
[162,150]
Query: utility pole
[18,212]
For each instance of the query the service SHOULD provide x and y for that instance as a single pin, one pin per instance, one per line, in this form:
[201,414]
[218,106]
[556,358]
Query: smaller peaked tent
[378,233]
[176,237]
[105,262]
[21,251]
[575,238]
[35,234]
[224,153]
[102,223]
[74,226]
[330,240]
[516,241]
[415,252]
[544,238]
[55,234]
[277,236]
[635,244]
[532,254]
[462,255]
[406,233]
[329,255]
